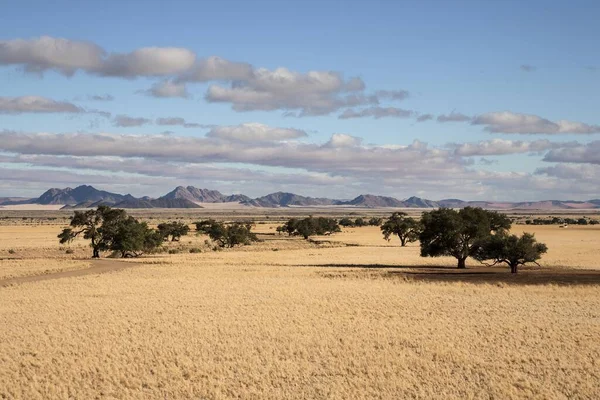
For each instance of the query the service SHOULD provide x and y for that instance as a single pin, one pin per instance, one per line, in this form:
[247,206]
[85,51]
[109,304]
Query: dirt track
[98,267]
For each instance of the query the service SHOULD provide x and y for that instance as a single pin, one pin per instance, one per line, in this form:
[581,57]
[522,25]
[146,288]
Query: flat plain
[344,316]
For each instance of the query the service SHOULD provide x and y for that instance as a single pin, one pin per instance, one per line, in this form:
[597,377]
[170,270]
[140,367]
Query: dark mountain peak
[418,202]
[80,194]
[286,199]
[369,200]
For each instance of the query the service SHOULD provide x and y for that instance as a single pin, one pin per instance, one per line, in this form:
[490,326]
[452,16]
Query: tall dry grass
[261,324]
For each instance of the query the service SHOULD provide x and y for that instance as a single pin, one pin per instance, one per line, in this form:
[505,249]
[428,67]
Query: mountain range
[86,196]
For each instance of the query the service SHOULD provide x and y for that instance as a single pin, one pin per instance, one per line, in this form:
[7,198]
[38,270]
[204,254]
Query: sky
[494,100]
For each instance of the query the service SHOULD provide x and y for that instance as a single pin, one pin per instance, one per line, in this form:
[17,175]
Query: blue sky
[512,70]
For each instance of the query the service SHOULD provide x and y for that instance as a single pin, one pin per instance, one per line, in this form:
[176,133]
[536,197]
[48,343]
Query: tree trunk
[513,268]
[96,253]
[402,241]
[462,263]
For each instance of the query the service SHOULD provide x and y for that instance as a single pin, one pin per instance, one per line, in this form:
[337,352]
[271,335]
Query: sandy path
[98,267]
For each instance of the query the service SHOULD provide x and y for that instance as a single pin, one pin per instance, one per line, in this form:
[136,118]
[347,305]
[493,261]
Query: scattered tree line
[309,227]
[358,222]
[227,235]
[562,221]
[469,232]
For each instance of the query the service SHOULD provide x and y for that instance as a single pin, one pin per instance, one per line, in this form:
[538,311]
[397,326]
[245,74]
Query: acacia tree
[173,229]
[447,232]
[227,235]
[310,226]
[111,229]
[502,248]
[407,229]
[131,238]
[95,225]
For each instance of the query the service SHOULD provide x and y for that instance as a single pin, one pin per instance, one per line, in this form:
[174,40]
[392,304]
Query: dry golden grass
[13,268]
[262,324]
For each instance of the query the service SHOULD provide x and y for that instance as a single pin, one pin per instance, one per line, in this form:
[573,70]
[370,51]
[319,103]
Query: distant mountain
[86,196]
[282,199]
[452,203]
[418,202]
[157,203]
[78,195]
[369,200]
[203,195]
[14,200]
[236,198]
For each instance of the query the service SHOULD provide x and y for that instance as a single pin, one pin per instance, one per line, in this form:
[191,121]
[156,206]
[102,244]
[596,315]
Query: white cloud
[167,88]
[44,53]
[217,69]
[509,122]
[254,132]
[584,154]
[341,140]
[36,104]
[147,61]
[68,56]
[502,147]
[312,93]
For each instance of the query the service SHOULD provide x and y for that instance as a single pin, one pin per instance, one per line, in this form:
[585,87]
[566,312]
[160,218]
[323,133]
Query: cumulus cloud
[217,69]
[126,121]
[583,154]
[313,93]
[503,147]
[342,154]
[44,53]
[453,117]
[341,140]
[509,122]
[147,61]
[578,172]
[36,104]
[167,88]
[254,132]
[172,121]
[377,112]
[392,169]
[242,85]
[68,56]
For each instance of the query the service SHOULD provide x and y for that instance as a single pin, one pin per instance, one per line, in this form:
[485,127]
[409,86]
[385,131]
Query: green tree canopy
[110,229]
[310,226]
[447,232]
[174,229]
[399,224]
[512,250]
[227,235]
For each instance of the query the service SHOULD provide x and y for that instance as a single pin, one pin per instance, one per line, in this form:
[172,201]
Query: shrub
[173,229]
[346,222]
[195,250]
[11,251]
[173,251]
[310,226]
[69,251]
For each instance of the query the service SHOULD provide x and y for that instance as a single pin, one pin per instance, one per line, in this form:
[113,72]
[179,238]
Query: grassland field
[343,316]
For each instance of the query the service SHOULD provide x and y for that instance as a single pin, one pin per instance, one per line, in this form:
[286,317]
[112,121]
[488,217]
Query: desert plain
[349,315]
